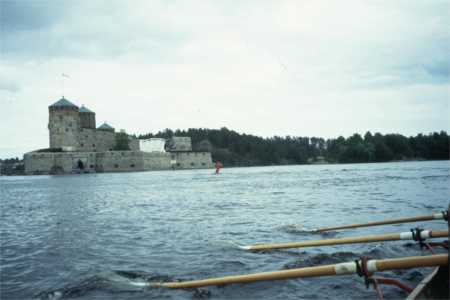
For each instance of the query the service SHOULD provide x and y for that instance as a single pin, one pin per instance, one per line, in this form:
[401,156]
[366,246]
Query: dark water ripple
[103,236]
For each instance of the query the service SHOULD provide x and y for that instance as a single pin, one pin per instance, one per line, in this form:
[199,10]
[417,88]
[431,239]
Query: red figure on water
[218,166]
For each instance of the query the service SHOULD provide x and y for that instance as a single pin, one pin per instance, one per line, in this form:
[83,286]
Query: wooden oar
[326,270]
[425,234]
[437,216]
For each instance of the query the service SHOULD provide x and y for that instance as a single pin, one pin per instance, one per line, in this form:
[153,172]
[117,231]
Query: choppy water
[101,236]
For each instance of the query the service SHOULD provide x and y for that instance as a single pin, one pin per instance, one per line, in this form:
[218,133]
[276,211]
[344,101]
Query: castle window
[67,129]
[116,166]
[132,165]
[203,164]
[178,164]
[192,164]
[82,145]
[93,145]
[91,166]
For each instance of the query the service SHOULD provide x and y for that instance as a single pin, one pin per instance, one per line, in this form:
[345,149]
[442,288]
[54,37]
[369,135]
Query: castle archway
[80,165]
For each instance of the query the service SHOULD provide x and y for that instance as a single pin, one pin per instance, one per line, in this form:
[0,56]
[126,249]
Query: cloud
[89,30]
[369,45]
[9,86]
[29,15]
[264,67]
[439,70]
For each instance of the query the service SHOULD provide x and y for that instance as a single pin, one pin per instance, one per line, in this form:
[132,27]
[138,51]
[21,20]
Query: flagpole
[63,76]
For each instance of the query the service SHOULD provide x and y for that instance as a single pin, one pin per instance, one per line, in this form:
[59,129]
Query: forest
[237,149]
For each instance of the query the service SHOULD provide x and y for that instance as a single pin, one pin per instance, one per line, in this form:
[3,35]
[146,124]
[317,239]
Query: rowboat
[433,286]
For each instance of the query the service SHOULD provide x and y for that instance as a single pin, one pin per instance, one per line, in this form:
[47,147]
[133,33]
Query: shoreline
[235,166]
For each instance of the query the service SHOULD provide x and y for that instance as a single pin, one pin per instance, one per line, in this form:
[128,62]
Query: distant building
[179,144]
[78,146]
[152,145]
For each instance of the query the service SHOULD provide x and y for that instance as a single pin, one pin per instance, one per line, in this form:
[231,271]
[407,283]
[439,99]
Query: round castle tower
[64,125]
[87,117]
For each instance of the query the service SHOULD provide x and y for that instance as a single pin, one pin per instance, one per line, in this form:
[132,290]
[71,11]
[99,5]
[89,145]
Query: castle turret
[64,125]
[106,127]
[87,118]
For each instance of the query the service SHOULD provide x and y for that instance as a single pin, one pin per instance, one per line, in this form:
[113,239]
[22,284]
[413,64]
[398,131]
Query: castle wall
[134,144]
[106,140]
[87,120]
[38,163]
[120,161]
[123,161]
[156,160]
[88,160]
[64,125]
[101,140]
[87,140]
[96,140]
[59,162]
[192,160]
[112,161]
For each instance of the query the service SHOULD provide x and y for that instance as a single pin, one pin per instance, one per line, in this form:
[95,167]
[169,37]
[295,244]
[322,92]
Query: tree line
[236,149]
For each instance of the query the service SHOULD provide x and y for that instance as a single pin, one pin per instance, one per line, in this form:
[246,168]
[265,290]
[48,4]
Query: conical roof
[84,109]
[63,102]
[105,126]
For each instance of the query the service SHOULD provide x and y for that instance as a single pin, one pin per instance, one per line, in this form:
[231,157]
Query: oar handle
[326,270]
[436,216]
[426,234]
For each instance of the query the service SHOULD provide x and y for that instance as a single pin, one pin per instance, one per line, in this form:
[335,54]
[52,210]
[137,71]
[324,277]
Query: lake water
[97,236]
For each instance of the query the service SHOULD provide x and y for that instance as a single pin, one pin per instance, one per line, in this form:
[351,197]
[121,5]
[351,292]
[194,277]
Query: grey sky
[322,68]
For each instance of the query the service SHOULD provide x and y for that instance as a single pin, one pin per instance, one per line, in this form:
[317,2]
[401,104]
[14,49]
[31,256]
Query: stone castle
[78,146]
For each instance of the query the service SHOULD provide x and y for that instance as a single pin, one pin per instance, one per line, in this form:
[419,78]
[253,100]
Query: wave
[377,251]
[118,282]
[114,281]
[435,176]
[398,177]
[126,281]
[300,230]
[227,245]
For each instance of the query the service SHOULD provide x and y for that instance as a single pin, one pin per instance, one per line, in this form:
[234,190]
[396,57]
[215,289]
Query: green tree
[122,142]
[233,148]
